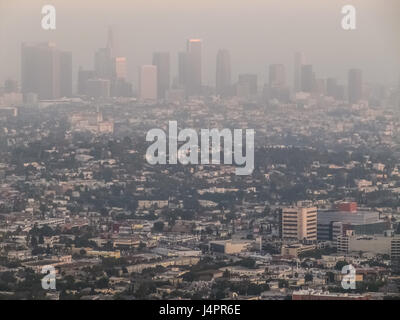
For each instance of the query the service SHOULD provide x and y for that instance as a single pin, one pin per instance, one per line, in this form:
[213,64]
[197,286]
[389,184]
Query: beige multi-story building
[375,244]
[148,82]
[295,249]
[229,246]
[299,223]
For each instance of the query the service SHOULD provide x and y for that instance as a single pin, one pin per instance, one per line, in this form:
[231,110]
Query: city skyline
[46,62]
[371,47]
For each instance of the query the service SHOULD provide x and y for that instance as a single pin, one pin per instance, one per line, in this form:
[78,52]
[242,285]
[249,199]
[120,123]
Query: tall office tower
[194,82]
[354,85]
[42,69]
[120,67]
[83,77]
[277,88]
[298,63]
[148,82]
[104,64]
[120,87]
[307,78]
[183,69]
[299,223]
[105,58]
[250,82]
[66,74]
[277,76]
[223,73]
[161,61]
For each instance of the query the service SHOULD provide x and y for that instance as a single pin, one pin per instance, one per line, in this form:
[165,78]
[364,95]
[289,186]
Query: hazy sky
[256,32]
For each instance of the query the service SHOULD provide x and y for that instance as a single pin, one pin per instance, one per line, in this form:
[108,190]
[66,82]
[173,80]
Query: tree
[226,274]
[247,263]
[282,283]
[340,265]
[188,276]
[34,242]
[158,226]
[308,277]
[102,283]
[145,288]
[331,277]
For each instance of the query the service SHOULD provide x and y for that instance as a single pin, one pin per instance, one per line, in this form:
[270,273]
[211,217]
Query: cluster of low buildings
[76,193]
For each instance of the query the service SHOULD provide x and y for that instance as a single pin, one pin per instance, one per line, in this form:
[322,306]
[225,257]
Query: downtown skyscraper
[277,76]
[46,71]
[110,67]
[162,61]
[277,88]
[65,74]
[298,63]
[104,59]
[354,85]
[194,67]
[223,73]
[183,69]
[148,83]
[307,78]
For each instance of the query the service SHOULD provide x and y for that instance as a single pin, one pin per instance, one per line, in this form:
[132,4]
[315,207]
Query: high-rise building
[223,73]
[120,68]
[299,223]
[354,85]
[298,63]
[66,74]
[277,76]
[307,78]
[194,80]
[108,65]
[162,61]
[104,64]
[148,82]
[45,71]
[183,67]
[277,88]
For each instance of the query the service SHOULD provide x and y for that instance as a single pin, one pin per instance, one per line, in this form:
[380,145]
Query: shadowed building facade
[46,71]
[223,73]
[355,85]
[162,61]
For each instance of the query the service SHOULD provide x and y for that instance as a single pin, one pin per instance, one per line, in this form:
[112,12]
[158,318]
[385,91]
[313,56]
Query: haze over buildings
[247,29]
